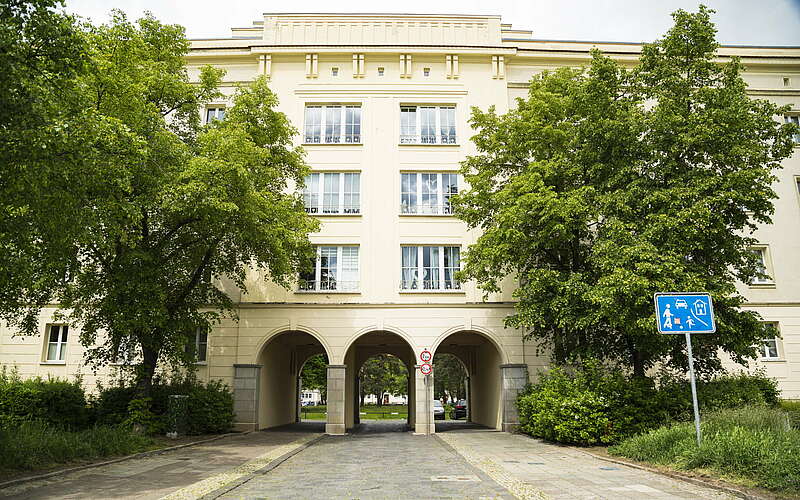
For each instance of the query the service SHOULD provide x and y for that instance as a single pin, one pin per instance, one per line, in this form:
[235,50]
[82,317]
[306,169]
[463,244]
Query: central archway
[367,345]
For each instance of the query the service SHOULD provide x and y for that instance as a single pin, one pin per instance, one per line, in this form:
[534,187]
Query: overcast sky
[740,22]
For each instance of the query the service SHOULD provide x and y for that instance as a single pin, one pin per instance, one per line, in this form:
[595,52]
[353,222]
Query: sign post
[686,313]
[426,369]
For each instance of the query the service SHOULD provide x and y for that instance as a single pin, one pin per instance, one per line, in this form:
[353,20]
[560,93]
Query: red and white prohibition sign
[425,368]
[425,356]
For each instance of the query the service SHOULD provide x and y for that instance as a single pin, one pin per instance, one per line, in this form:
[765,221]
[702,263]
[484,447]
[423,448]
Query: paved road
[380,460]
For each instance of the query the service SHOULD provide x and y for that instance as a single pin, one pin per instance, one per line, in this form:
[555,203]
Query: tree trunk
[638,363]
[144,380]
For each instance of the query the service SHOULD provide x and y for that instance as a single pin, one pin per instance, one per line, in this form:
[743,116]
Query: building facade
[382,104]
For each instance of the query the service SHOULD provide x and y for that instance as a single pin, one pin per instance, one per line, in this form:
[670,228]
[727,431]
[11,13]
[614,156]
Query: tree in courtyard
[165,211]
[314,375]
[606,185]
[383,374]
[450,378]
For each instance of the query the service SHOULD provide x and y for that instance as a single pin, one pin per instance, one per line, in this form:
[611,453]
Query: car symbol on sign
[680,303]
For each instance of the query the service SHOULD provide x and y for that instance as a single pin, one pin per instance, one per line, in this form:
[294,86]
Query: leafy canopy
[606,185]
[382,374]
[166,216]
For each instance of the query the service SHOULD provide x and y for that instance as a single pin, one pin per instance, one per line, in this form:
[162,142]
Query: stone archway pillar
[246,388]
[423,407]
[514,378]
[336,400]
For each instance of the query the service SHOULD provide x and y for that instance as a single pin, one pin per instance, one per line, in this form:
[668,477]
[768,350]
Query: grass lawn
[367,412]
[748,446]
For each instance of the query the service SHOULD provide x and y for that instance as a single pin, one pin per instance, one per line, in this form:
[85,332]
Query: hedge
[53,401]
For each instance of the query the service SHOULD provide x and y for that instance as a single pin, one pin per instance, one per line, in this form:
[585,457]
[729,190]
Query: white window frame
[342,208]
[341,127]
[793,118]
[442,206]
[764,347]
[419,283]
[318,285]
[214,112]
[125,357]
[62,339]
[197,343]
[437,139]
[766,266]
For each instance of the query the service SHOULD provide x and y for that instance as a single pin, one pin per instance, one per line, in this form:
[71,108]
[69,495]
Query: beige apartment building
[382,103]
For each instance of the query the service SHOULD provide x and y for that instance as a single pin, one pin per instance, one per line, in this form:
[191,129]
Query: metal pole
[694,388]
[428,404]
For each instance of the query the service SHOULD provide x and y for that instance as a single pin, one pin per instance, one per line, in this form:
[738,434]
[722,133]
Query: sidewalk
[185,473]
[530,468]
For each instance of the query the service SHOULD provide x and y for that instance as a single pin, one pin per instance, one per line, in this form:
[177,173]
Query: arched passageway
[483,361]
[366,346]
[281,361]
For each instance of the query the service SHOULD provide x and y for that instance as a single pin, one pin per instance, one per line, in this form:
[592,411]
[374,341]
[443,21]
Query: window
[796,120]
[427,125]
[380,71]
[334,71]
[769,347]
[333,193]
[761,267]
[405,66]
[127,353]
[57,342]
[430,267]
[787,82]
[358,65]
[498,67]
[201,344]
[427,193]
[329,119]
[451,65]
[426,71]
[217,113]
[334,269]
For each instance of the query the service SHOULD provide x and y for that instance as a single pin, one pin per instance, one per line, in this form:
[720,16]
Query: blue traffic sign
[684,313]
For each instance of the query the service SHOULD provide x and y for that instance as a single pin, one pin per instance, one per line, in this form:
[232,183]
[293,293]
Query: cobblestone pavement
[373,463]
[530,468]
[171,472]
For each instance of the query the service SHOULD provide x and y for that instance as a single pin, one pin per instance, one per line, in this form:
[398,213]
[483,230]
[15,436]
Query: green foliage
[608,184]
[314,375]
[381,374]
[209,405]
[792,408]
[723,391]
[750,443]
[141,419]
[450,378]
[34,445]
[144,209]
[592,405]
[53,401]
[596,404]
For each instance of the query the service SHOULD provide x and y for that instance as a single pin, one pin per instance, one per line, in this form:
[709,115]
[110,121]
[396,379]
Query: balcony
[333,211]
[425,209]
[430,285]
[426,139]
[327,285]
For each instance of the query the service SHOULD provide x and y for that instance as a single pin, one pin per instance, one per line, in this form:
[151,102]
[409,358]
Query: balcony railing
[426,209]
[435,285]
[427,139]
[333,210]
[327,285]
[332,139]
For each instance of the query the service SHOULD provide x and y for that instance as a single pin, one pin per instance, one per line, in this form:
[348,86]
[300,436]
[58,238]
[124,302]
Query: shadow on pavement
[311,427]
[459,425]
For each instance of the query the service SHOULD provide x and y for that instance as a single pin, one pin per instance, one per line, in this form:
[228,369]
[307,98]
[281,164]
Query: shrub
[724,391]
[792,408]
[36,444]
[594,405]
[57,402]
[210,405]
[751,443]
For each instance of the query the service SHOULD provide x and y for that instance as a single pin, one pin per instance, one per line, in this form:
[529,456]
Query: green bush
[724,391]
[792,408]
[35,444]
[210,405]
[750,443]
[593,405]
[57,402]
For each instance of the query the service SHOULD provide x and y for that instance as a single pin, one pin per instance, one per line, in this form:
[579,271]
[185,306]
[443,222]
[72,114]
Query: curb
[267,468]
[675,475]
[23,480]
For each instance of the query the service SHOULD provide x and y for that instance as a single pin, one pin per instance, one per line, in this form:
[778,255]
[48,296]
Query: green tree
[381,374]
[314,375]
[606,185]
[166,210]
[450,378]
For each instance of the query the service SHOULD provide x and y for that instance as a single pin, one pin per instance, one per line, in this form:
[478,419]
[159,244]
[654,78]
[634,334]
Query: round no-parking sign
[426,356]
[425,368]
